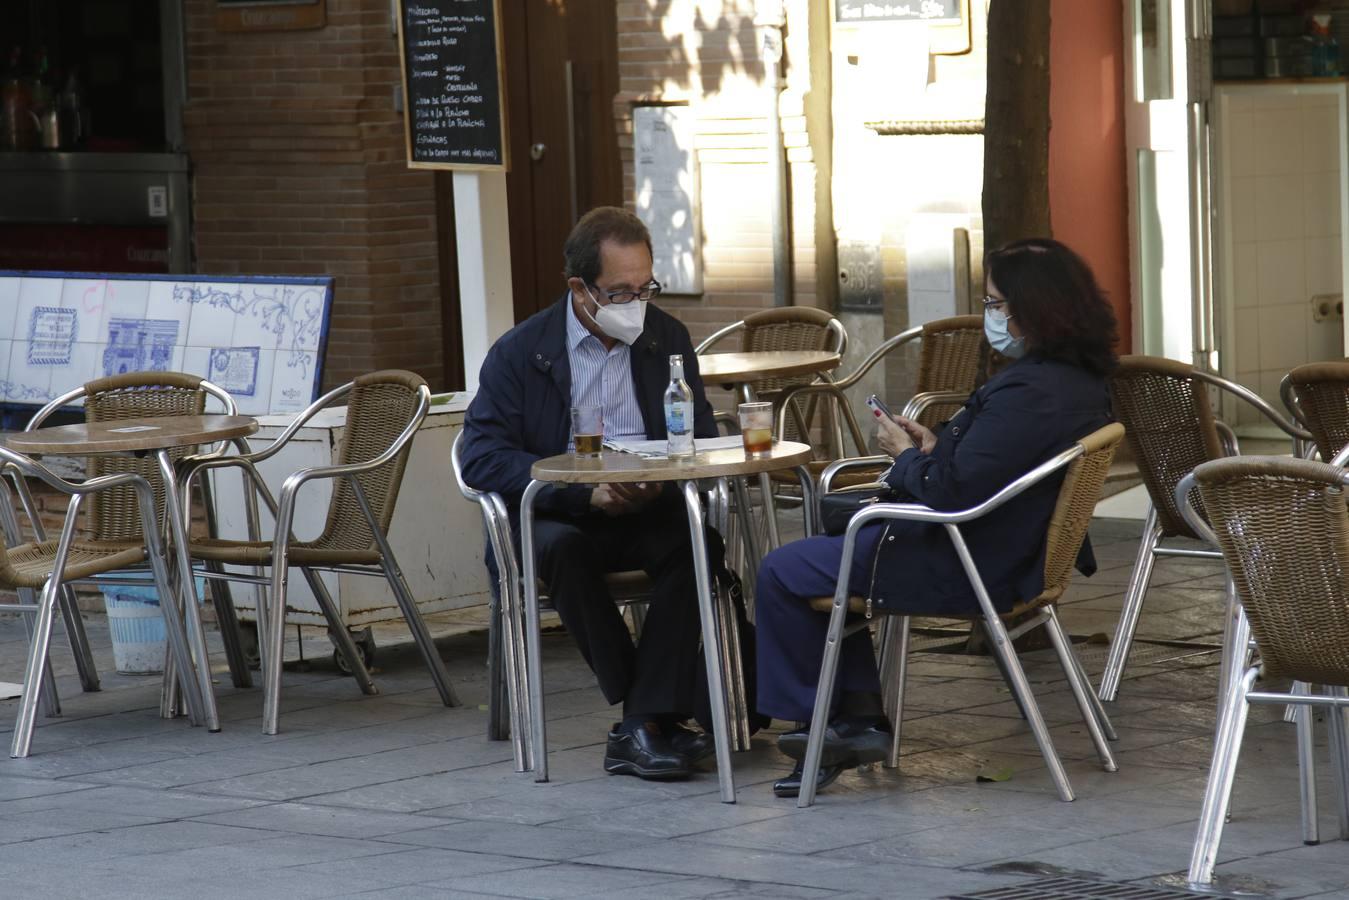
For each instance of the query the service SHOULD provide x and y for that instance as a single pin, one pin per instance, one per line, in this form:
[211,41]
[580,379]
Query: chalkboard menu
[452,84]
[937,12]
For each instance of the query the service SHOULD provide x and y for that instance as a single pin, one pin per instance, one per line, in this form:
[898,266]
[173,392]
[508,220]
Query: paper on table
[656,449]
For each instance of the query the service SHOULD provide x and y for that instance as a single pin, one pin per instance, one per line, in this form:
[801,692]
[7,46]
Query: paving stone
[303,818]
[404,866]
[558,881]
[525,841]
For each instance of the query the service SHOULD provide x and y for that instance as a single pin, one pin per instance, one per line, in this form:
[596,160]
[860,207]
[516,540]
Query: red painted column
[1088,202]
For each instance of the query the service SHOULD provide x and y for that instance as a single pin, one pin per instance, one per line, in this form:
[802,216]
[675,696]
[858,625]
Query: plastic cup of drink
[756,427]
[587,430]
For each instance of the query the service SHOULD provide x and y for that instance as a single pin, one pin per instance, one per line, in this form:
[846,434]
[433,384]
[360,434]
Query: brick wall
[299,168]
[706,53]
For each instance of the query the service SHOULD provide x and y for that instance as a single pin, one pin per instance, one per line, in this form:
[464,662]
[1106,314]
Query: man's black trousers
[660,674]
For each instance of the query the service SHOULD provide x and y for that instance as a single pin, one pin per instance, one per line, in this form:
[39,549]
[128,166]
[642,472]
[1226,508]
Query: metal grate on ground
[1059,888]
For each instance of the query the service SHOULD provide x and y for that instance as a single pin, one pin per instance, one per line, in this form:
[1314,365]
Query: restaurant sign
[270,15]
[933,12]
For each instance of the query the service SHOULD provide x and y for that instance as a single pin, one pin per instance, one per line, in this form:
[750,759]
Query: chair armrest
[34,469]
[918,403]
[717,336]
[876,355]
[917,512]
[856,462]
[1191,516]
[1242,392]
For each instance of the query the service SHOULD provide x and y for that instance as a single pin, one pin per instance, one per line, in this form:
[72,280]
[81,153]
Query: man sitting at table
[601,344]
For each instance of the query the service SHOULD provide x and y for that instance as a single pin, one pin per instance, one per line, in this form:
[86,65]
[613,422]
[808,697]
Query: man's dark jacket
[522,410]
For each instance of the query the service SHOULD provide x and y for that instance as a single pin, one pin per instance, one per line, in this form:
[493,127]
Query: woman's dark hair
[581,253]
[1056,302]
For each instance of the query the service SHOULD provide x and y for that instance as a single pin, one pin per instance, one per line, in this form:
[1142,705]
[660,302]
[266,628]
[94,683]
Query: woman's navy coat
[1021,417]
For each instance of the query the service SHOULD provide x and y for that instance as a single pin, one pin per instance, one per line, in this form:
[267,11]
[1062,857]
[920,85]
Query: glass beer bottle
[678,411]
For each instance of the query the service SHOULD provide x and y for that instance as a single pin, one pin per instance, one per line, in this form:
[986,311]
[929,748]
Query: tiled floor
[394,796]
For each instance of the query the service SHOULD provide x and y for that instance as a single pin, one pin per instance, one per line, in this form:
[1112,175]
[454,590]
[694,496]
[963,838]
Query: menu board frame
[409,100]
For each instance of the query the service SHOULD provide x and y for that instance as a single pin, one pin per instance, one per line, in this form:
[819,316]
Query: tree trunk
[1016,157]
[1016,122]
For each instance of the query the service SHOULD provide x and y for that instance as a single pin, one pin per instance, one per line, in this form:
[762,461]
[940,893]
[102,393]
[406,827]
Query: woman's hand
[922,436]
[892,437]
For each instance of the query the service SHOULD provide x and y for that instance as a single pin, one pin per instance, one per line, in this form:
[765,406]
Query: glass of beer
[587,429]
[756,427]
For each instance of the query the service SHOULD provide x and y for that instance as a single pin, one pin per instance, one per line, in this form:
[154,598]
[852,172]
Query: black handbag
[838,507]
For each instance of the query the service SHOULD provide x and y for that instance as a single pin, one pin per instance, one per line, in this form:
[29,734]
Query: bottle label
[677,416]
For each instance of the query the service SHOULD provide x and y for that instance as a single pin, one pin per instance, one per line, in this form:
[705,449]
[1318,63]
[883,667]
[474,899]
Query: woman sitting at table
[1046,313]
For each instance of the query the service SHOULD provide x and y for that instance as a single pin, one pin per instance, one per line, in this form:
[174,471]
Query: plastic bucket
[136,625]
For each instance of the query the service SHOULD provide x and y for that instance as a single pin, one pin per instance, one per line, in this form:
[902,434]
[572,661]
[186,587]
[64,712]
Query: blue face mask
[999,338]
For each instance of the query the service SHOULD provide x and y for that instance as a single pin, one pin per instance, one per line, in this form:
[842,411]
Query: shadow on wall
[710,50]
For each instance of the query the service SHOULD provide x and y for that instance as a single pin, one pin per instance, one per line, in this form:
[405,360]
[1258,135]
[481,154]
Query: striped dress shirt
[603,378]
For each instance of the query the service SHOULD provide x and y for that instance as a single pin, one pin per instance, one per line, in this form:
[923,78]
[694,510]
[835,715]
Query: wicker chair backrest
[1170,427]
[1284,533]
[114,514]
[1078,495]
[948,361]
[379,406]
[787,328]
[1322,391]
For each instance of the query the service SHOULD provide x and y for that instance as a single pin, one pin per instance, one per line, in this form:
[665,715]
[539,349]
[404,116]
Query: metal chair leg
[34,673]
[1133,606]
[1222,772]
[1106,725]
[79,640]
[748,535]
[420,633]
[894,673]
[337,629]
[1291,710]
[824,690]
[1339,758]
[534,667]
[733,671]
[498,700]
[1063,646]
[1306,767]
[222,595]
[51,700]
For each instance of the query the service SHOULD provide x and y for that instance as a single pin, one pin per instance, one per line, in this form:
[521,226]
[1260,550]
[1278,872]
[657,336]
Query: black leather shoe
[790,786]
[696,746]
[844,743]
[643,752]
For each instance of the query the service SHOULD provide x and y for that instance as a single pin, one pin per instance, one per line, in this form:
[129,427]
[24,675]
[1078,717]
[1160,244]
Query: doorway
[561,79]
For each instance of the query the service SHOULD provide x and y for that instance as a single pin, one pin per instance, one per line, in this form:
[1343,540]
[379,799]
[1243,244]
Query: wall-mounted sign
[453,84]
[947,21]
[269,15]
[665,169]
[934,12]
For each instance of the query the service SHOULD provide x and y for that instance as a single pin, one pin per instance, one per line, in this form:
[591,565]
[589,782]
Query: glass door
[1167,89]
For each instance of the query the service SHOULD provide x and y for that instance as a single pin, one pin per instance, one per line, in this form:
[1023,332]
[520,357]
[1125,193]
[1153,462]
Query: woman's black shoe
[791,785]
[845,742]
[643,752]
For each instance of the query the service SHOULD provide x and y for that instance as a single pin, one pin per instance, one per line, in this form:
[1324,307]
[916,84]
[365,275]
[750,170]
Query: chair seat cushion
[30,565]
[259,553]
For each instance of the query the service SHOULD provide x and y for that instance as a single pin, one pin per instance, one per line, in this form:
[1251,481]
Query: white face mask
[999,337]
[621,321]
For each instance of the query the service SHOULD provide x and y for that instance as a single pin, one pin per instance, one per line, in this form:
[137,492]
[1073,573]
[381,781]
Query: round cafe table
[610,467]
[141,437]
[742,369]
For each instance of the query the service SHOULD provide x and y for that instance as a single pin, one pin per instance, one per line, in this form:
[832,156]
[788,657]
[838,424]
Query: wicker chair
[48,566]
[1165,407]
[113,520]
[1086,464]
[384,410]
[1317,395]
[1283,530]
[950,352]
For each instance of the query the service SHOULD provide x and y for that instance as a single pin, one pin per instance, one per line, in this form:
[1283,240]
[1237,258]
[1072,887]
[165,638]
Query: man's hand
[921,435]
[622,499]
[892,437]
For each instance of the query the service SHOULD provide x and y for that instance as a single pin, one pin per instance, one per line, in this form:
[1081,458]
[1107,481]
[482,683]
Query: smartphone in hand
[879,408]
